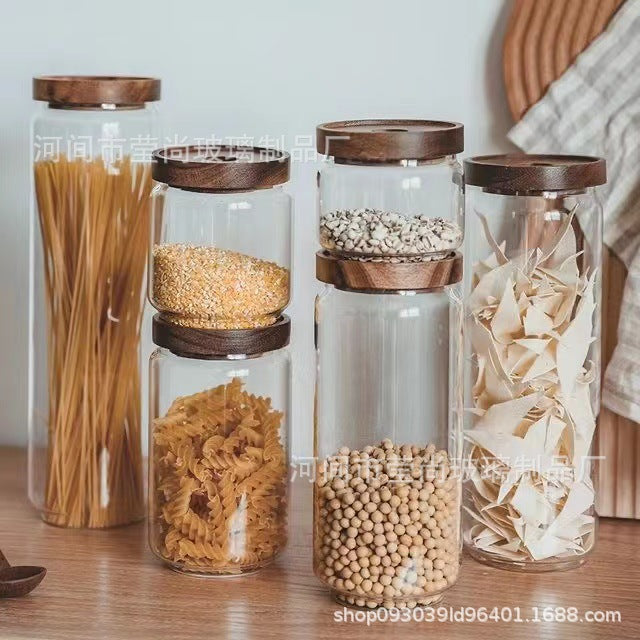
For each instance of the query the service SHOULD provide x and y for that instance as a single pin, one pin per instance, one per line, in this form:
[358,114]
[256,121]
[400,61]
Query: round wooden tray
[543,39]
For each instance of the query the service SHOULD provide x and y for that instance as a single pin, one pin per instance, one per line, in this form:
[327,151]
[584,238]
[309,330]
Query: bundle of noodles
[94,221]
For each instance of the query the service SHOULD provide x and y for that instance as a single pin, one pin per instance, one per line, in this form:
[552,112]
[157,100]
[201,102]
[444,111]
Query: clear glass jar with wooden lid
[218,447]
[390,190]
[221,236]
[387,430]
[92,139]
[532,358]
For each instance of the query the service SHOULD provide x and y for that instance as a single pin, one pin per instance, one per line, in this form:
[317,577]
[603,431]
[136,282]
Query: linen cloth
[594,109]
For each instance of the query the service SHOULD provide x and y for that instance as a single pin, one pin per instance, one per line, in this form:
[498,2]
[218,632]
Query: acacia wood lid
[354,275]
[82,91]
[210,344]
[389,140]
[523,173]
[220,168]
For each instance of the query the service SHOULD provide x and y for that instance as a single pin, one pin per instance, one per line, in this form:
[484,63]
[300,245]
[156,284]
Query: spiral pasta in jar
[218,447]
[389,400]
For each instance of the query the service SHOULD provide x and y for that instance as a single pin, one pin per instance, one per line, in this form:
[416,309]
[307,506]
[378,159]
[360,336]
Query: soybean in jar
[387,431]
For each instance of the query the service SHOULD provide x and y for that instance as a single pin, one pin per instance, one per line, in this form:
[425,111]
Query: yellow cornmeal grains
[211,288]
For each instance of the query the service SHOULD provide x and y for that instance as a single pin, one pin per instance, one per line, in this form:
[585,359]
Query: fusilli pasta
[219,481]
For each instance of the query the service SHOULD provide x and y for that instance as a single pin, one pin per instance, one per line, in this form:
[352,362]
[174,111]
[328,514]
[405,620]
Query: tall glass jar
[532,327]
[222,236]
[92,140]
[218,447]
[387,431]
[390,190]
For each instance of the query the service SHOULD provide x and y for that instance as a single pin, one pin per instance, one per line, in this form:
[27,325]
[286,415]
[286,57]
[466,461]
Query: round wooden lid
[82,91]
[522,173]
[389,140]
[354,275]
[220,168]
[210,344]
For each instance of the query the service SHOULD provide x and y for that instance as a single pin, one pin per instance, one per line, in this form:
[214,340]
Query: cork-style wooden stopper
[354,275]
[211,344]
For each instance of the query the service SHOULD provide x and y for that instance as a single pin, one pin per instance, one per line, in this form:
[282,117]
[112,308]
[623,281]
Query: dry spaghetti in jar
[90,220]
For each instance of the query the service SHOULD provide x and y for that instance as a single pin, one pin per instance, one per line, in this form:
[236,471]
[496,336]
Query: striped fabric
[594,109]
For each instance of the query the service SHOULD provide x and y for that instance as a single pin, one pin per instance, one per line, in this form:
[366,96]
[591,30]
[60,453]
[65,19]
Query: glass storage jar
[92,140]
[388,431]
[532,380]
[222,235]
[218,447]
[390,190]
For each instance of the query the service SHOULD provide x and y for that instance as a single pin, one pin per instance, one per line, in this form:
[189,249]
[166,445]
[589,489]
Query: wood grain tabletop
[106,584]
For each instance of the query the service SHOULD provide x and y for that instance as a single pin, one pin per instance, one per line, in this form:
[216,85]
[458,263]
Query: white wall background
[243,67]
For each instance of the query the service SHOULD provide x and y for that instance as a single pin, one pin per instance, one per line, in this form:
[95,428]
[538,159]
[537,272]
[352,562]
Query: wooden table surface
[106,584]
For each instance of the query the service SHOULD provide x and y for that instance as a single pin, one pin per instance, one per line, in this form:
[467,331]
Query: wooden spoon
[18,581]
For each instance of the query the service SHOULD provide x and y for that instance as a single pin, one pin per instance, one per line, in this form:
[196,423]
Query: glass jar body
[218,461]
[532,377]
[220,260]
[406,211]
[387,438]
[88,243]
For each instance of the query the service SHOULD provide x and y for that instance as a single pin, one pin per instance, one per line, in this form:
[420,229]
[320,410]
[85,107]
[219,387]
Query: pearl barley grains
[211,288]
[386,525]
[385,235]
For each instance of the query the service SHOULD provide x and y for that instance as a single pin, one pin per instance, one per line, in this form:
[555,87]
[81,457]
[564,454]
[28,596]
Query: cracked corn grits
[207,287]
